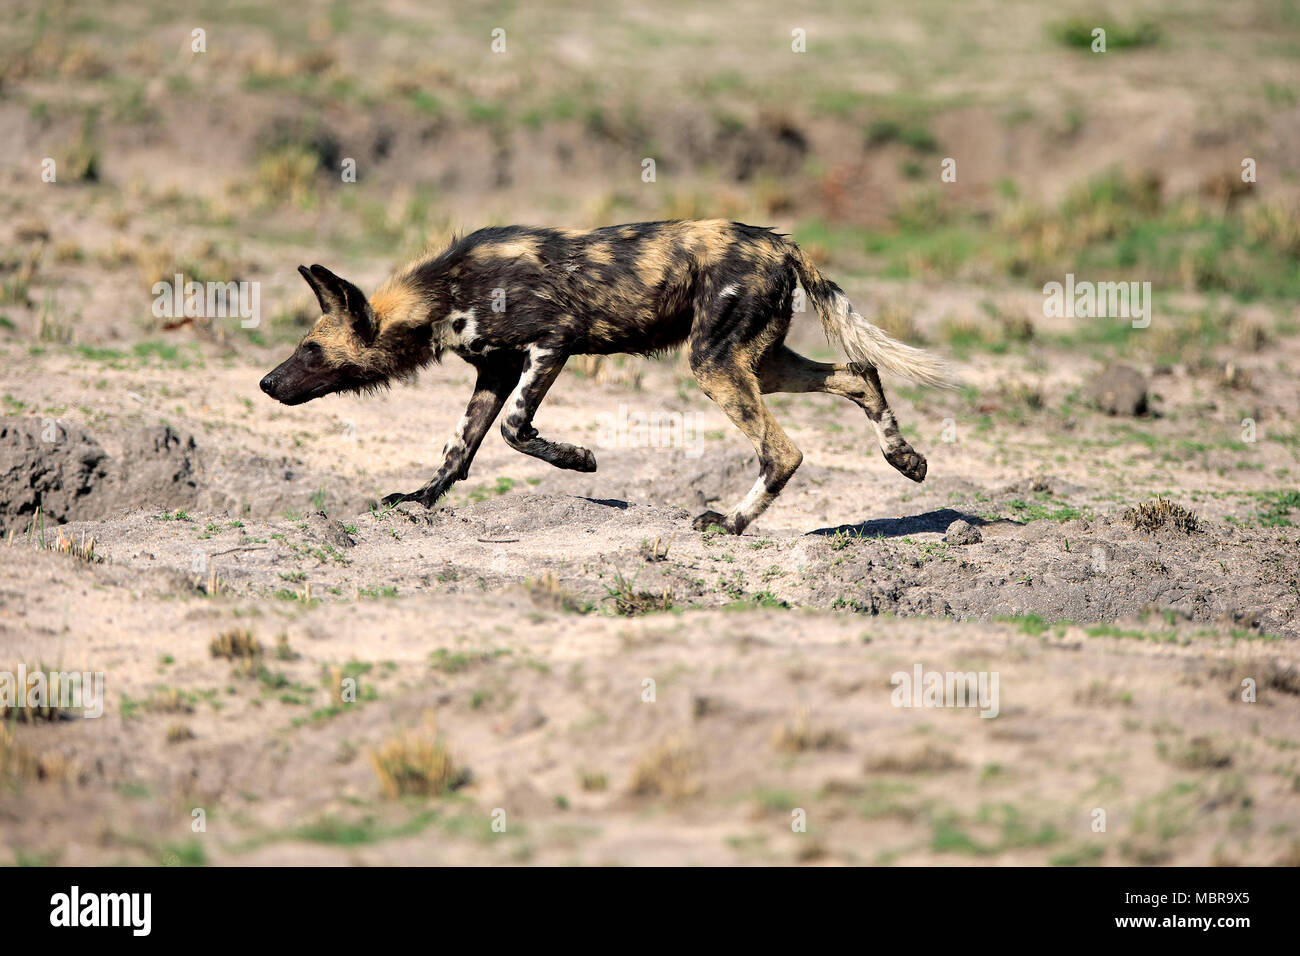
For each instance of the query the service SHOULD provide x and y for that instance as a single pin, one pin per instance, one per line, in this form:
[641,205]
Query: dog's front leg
[497,376]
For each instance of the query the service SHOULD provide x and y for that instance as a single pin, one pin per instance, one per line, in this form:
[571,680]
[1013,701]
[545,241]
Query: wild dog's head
[337,354]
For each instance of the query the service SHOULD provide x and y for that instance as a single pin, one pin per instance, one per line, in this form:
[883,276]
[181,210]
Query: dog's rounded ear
[322,295]
[340,297]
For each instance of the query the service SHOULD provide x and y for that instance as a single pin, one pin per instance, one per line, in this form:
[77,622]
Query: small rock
[1120,390]
[962,531]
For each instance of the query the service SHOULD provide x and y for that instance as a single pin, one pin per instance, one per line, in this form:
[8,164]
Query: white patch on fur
[449,338]
[457,441]
[755,503]
[516,400]
[887,432]
[729,290]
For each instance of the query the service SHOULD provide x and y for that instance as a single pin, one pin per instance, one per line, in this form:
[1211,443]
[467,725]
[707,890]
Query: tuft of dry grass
[651,551]
[236,645]
[669,769]
[82,550]
[928,759]
[630,602]
[1267,673]
[546,592]
[283,651]
[811,851]
[416,763]
[1022,395]
[288,173]
[899,321]
[54,693]
[1276,224]
[1250,335]
[168,700]
[799,735]
[1199,753]
[1100,693]
[1290,856]
[20,764]
[179,733]
[1153,515]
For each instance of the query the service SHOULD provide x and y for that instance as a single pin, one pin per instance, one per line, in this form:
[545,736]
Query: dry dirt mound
[69,474]
[61,469]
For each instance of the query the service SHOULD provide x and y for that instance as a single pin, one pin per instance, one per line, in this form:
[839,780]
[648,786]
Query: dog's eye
[312,352]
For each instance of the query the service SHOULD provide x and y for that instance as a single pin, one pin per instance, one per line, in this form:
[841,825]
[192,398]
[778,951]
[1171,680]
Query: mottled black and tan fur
[516,302]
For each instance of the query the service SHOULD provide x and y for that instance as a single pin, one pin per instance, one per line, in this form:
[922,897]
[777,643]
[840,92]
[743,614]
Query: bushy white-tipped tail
[864,343]
[867,344]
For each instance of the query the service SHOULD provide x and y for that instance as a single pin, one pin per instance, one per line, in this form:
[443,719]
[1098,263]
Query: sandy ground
[526,615]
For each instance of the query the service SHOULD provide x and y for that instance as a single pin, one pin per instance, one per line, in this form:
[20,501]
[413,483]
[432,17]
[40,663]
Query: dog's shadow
[936,521]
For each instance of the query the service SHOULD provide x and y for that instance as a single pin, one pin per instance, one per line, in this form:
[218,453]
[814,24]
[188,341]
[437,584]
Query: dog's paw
[570,457]
[711,519]
[428,499]
[395,499]
[909,462]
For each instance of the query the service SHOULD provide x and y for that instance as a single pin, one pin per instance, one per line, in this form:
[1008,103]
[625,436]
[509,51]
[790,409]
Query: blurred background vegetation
[227,163]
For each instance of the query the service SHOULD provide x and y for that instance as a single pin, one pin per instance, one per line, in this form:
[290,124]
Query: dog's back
[631,288]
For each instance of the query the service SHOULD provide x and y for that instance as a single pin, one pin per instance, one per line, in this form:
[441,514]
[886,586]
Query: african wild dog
[723,288]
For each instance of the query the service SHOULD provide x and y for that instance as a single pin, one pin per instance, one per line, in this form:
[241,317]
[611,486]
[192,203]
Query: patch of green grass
[775,801]
[1045,509]
[96,354]
[911,134]
[187,853]
[1031,624]
[1014,832]
[760,599]
[948,837]
[1076,33]
[1086,855]
[337,831]
[449,662]
[1277,508]
[1111,630]
[164,352]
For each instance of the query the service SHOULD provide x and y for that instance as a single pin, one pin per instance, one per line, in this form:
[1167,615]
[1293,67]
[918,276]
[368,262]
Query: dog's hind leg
[541,368]
[497,375]
[736,390]
[784,370]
